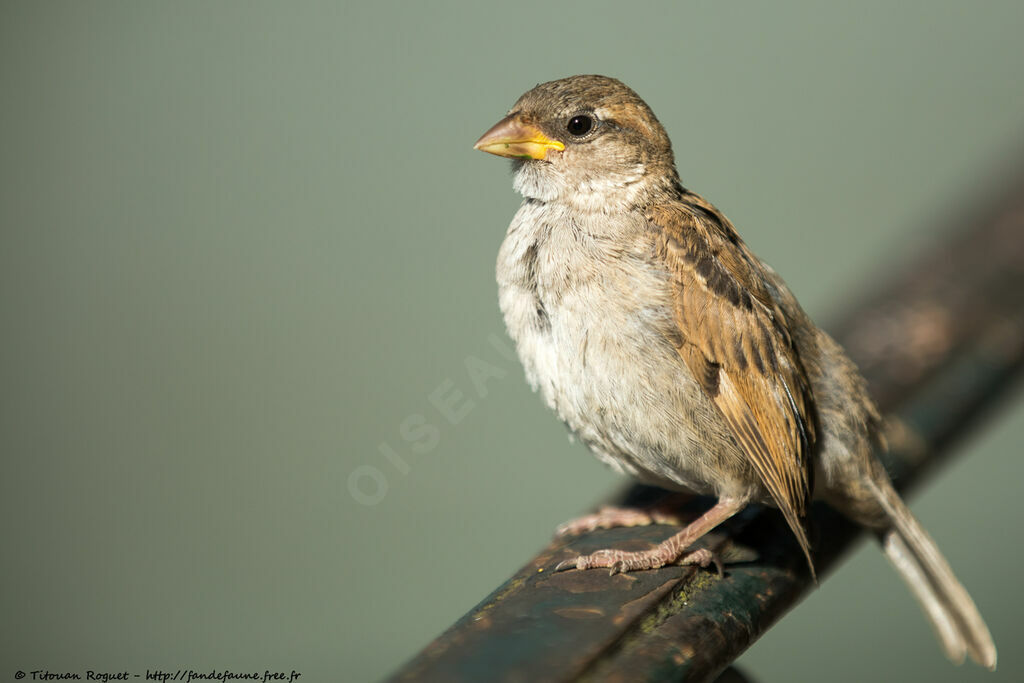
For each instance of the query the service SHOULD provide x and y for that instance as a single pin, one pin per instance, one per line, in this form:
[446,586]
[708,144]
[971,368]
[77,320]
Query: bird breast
[590,311]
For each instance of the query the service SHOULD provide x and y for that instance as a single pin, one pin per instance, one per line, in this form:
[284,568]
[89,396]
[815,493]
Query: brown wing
[737,343]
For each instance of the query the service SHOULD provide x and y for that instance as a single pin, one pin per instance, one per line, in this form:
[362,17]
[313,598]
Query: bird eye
[580,125]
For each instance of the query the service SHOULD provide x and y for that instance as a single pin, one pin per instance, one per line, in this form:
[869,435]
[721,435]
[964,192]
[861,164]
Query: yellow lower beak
[510,137]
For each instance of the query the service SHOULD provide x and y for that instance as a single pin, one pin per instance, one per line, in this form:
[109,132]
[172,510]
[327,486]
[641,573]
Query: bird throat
[592,193]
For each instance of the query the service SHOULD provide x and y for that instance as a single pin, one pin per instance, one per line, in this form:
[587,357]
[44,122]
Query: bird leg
[671,550]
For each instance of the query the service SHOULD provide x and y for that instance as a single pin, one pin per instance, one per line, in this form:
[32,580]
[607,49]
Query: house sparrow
[677,355]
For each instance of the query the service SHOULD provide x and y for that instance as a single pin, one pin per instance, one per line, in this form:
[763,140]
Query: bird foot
[621,561]
[675,549]
[609,517]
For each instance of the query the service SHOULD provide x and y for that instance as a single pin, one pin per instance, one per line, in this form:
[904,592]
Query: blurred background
[247,256]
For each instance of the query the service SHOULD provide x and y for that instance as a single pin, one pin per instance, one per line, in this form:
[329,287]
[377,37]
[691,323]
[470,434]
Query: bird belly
[609,387]
[616,378]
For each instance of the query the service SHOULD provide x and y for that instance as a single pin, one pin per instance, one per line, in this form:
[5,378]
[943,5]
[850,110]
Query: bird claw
[704,558]
[566,564]
[719,567]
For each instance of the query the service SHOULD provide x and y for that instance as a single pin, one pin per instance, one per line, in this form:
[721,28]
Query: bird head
[589,140]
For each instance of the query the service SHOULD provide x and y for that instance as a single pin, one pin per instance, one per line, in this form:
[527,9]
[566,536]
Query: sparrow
[678,356]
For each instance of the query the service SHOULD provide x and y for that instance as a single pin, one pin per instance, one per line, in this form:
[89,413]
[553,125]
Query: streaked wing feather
[736,341]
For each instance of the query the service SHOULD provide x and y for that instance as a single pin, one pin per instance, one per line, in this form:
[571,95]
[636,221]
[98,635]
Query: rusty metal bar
[939,343]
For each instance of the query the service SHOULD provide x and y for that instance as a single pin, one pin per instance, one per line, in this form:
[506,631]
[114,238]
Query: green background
[243,243]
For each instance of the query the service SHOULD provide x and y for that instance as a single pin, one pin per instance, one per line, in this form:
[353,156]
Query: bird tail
[945,602]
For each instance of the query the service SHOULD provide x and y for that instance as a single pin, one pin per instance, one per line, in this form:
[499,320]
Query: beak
[510,137]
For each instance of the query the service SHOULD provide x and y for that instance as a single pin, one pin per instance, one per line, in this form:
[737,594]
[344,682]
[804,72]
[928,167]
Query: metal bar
[938,343]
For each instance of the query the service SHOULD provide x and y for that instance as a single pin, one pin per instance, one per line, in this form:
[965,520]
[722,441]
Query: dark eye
[580,125]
